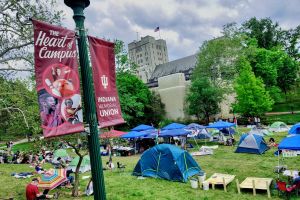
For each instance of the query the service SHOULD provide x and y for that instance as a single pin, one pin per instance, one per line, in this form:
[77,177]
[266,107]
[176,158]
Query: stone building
[147,53]
[171,81]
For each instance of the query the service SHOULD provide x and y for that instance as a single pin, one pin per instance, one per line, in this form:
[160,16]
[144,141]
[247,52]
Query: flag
[104,76]
[156,29]
[57,80]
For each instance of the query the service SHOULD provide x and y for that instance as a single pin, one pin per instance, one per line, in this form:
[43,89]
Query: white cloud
[184,24]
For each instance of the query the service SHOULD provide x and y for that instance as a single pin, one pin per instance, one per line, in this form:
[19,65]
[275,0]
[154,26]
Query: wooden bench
[255,183]
[220,179]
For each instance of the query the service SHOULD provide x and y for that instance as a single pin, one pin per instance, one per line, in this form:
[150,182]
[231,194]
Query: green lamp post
[89,99]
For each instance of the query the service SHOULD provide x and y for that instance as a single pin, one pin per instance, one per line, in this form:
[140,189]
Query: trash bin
[202,178]
[205,185]
[194,183]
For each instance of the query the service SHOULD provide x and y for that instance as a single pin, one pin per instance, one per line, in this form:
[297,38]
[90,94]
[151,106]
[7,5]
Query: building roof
[183,65]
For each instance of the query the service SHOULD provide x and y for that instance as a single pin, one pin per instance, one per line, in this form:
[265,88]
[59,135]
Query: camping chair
[284,190]
[121,167]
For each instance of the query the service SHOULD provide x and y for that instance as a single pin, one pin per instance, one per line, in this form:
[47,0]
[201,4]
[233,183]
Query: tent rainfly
[278,127]
[85,164]
[167,162]
[251,143]
[295,129]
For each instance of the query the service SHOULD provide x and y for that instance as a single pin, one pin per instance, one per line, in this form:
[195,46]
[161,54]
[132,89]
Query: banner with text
[104,75]
[57,81]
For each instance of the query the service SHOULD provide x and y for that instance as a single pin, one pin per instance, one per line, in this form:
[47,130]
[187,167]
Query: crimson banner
[104,75]
[57,82]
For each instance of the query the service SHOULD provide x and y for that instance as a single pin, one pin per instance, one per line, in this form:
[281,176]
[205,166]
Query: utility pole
[89,99]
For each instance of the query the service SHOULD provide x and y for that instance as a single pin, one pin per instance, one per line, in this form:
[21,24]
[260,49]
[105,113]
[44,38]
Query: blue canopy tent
[167,162]
[142,127]
[173,126]
[134,134]
[173,133]
[221,124]
[251,143]
[295,129]
[290,143]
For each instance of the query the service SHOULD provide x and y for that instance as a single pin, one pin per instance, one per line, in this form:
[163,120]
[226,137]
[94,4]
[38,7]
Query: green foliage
[216,60]
[18,108]
[16,31]
[252,98]
[267,33]
[203,99]
[122,61]
[155,110]
[138,104]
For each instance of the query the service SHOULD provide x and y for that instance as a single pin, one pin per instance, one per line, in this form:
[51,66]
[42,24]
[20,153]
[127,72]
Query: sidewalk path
[281,113]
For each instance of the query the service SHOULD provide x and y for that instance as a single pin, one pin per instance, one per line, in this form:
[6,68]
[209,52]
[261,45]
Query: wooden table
[255,183]
[220,179]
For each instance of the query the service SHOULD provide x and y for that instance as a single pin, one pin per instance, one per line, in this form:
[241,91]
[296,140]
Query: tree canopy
[252,99]
[203,99]
[16,32]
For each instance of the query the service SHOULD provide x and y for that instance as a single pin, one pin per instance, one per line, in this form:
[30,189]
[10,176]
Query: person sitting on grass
[39,169]
[32,191]
[272,143]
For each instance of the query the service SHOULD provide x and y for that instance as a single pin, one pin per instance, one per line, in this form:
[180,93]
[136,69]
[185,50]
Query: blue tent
[134,134]
[168,162]
[252,143]
[290,143]
[142,127]
[221,124]
[173,126]
[173,133]
[295,129]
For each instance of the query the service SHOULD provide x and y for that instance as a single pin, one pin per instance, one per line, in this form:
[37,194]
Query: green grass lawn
[287,118]
[122,185]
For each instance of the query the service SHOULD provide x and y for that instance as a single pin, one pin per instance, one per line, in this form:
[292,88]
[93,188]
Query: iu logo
[104,81]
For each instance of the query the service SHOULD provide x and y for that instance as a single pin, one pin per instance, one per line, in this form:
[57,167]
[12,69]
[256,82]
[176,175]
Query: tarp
[295,129]
[167,162]
[112,134]
[173,126]
[142,127]
[221,124]
[251,143]
[290,143]
[85,164]
[134,134]
[173,133]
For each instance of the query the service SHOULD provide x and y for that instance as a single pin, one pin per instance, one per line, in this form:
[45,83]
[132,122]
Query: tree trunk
[76,183]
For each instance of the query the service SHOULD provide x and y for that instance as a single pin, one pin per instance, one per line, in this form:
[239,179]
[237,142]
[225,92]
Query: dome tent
[168,162]
[252,143]
[295,129]
[278,127]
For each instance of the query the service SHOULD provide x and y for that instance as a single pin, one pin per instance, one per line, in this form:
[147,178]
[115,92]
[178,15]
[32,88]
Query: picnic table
[255,183]
[220,179]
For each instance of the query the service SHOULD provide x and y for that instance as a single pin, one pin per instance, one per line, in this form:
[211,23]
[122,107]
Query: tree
[138,104]
[203,99]
[16,40]
[18,108]
[216,60]
[252,98]
[267,33]
[78,142]
[155,110]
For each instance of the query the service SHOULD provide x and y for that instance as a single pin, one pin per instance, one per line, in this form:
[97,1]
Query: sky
[184,24]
